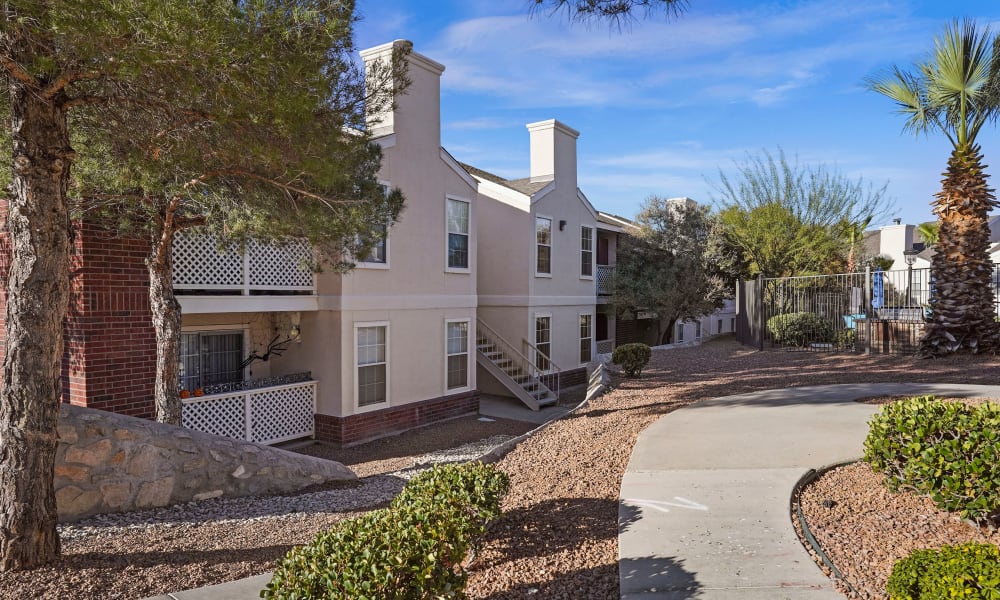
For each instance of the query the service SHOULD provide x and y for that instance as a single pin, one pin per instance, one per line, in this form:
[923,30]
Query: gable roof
[524,186]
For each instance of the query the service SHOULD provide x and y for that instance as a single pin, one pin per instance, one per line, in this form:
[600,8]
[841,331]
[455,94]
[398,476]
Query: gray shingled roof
[524,186]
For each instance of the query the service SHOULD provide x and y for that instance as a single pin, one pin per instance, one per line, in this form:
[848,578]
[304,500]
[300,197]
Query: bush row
[947,450]
[412,550]
[800,329]
[970,571]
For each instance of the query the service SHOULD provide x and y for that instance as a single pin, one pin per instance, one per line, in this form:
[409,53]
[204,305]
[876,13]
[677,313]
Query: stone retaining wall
[108,462]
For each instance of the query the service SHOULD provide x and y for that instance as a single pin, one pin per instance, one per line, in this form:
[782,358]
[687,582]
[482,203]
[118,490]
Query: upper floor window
[543,242]
[586,251]
[210,358]
[458,234]
[377,253]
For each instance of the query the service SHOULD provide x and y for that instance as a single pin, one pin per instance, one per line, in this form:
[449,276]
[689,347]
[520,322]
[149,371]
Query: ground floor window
[543,342]
[457,350]
[697,330]
[586,337]
[719,330]
[732,324]
[680,333]
[372,364]
[210,358]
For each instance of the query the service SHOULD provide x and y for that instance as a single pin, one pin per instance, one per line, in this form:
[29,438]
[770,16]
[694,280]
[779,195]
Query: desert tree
[96,71]
[791,219]
[663,265]
[956,91]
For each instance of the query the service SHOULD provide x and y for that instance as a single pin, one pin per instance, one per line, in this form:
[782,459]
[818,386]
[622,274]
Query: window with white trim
[732,324]
[543,245]
[720,327]
[378,245]
[586,251]
[680,333]
[586,338]
[372,364]
[210,358]
[543,342]
[457,350]
[458,234]
[697,330]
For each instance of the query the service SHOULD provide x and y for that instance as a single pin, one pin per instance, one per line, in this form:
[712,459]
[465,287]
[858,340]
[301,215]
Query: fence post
[868,309]
[761,321]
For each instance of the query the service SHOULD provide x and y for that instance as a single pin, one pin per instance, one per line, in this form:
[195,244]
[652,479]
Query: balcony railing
[605,275]
[202,264]
[266,414]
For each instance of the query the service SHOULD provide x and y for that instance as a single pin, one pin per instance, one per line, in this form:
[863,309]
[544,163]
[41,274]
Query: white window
[372,363]
[457,355]
[697,330]
[543,244]
[719,330]
[732,324]
[377,254]
[680,333]
[586,251]
[543,342]
[458,234]
[586,338]
[210,358]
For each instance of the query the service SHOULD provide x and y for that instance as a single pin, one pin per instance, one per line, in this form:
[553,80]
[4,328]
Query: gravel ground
[559,537]
[864,528]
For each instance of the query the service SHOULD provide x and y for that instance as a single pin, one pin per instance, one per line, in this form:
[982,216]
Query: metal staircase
[531,385]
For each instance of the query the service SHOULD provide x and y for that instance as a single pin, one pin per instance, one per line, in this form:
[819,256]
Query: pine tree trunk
[167,323]
[37,297]
[963,313]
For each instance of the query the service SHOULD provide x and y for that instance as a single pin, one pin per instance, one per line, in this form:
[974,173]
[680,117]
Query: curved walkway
[704,511]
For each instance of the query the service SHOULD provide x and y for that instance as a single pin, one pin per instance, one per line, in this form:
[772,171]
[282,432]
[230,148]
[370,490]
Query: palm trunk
[37,298]
[167,322]
[963,313]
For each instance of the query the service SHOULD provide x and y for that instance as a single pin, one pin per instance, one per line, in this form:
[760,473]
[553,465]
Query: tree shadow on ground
[663,576]
[553,526]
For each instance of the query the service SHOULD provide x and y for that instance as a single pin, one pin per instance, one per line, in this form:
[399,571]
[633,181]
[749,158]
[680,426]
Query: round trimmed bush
[970,571]
[632,358]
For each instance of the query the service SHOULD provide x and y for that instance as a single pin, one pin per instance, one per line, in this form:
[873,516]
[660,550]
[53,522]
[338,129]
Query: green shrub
[844,339]
[632,358]
[947,450]
[412,550]
[800,329]
[970,571]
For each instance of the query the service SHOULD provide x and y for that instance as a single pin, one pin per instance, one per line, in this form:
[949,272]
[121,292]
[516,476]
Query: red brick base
[365,427]
[573,377]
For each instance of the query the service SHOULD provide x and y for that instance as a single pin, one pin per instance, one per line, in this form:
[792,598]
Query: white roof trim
[457,168]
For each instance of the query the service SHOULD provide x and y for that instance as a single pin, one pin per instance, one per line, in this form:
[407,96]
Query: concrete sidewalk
[704,510]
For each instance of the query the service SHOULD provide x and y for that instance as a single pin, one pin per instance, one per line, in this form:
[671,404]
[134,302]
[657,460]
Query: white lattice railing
[200,263]
[605,273]
[605,346]
[266,415]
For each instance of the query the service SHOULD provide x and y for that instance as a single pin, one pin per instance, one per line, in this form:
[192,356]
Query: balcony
[605,275]
[269,276]
[266,411]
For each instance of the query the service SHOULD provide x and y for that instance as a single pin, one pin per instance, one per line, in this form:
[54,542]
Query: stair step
[547,400]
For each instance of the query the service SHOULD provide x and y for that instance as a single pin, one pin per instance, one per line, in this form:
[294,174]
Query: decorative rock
[91,455]
[117,463]
[155,493]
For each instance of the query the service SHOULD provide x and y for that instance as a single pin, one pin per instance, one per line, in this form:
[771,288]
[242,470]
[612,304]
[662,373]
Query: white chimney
[553,152]
[418,108]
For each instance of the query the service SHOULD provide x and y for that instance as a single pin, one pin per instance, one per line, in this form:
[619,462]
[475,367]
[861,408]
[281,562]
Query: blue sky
[663,105]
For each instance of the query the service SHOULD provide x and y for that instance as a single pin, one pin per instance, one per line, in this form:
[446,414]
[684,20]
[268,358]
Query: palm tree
[929,233]
[956,91]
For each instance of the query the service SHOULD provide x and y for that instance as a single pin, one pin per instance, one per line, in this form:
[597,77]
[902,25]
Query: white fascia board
[504,194]
[590,207]
[457,168]
[191,305]
[396,302]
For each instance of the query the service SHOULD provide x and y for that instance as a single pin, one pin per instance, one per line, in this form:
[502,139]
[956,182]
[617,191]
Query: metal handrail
[552,374]
[508,351]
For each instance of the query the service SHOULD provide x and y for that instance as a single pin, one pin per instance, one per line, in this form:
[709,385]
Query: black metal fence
[873,311]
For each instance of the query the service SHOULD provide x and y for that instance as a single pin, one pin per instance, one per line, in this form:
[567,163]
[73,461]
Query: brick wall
[109,359]
[573,377]
[364,427]
[110,340]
